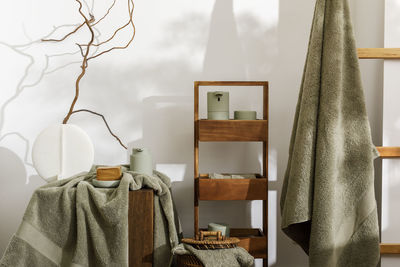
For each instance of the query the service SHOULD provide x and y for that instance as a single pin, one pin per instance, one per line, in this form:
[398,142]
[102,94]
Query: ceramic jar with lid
[141,161]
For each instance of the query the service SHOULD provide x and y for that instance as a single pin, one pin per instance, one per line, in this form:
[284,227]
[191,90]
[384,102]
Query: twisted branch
[105,15]
[105,122]
[66,36]
[85,52]
[130,22]
[83,66]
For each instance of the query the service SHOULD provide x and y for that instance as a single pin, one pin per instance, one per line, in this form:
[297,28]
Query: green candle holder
[245,115]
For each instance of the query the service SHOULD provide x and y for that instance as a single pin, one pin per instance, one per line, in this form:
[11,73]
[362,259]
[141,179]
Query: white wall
[391,130]
[146,92]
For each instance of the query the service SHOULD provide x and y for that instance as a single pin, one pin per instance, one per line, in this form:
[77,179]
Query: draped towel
[328,202]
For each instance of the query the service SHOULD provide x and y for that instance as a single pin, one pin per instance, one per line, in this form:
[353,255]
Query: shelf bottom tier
[251,239]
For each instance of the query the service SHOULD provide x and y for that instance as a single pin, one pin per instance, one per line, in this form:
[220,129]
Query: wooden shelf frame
[384,152]
[215,189]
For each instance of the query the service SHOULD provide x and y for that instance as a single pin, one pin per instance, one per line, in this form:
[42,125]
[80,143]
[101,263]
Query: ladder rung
[378,53]
[387,248]
[389,151]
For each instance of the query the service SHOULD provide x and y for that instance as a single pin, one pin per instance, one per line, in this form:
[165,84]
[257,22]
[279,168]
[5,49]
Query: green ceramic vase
[141,161]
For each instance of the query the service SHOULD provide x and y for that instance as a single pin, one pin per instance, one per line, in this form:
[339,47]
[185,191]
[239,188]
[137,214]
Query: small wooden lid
[109,173]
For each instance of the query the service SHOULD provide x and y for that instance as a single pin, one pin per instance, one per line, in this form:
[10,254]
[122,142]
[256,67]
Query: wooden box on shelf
[251,239]
[232,189]
[232,130]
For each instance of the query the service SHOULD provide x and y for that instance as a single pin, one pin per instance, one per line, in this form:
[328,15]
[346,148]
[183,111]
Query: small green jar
[218,105]
[141,161]
[223,227]
[244,115]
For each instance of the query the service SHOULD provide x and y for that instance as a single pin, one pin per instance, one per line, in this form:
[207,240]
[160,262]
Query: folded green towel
[232,257]
[71,223]
[328,204]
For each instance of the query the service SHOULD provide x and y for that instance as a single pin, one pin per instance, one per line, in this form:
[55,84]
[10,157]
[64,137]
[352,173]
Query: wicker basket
[206,241]
[212,240]
[188,261]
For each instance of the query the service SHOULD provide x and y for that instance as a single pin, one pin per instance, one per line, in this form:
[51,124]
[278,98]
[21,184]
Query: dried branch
[85,49]
[66,36]
[130,22]
[105,121]
[84,63]
[120,28]
[105,15]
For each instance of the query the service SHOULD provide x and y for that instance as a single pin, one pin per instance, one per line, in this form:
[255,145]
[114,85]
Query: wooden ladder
[385,152]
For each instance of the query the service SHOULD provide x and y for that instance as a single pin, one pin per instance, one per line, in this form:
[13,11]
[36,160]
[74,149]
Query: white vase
[61,151]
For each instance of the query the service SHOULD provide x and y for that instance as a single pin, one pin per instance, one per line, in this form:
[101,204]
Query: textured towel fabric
[232,257]
[328,204]
[72,223]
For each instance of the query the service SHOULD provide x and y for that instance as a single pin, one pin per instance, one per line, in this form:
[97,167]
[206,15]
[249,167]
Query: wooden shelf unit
[253,240]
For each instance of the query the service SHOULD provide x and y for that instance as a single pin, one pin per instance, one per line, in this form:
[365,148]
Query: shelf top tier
[263,84]
[231,83]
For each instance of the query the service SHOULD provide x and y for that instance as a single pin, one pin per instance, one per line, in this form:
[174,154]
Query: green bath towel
[71,223]
[328,204]
[232,257]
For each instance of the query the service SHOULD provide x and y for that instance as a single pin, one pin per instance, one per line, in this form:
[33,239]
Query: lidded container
[141,161]
[218,105]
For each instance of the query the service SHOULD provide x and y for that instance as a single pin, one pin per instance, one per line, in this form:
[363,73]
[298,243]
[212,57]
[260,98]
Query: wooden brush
[109,173]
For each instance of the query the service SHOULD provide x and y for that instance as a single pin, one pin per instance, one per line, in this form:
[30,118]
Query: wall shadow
[12,183]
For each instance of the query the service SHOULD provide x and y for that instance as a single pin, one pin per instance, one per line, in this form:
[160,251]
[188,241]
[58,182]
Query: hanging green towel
[328,204]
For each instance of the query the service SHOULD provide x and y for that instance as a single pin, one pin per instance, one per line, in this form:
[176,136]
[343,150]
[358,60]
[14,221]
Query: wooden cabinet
[253,240]
[140,228]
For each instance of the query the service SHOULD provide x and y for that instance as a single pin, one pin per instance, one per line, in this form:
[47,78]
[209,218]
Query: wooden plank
[140,228]
[378,53]
[196,158]
[232,189]
[232,130]
[389,151]
[265,169]
[231,83]
[390,248]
